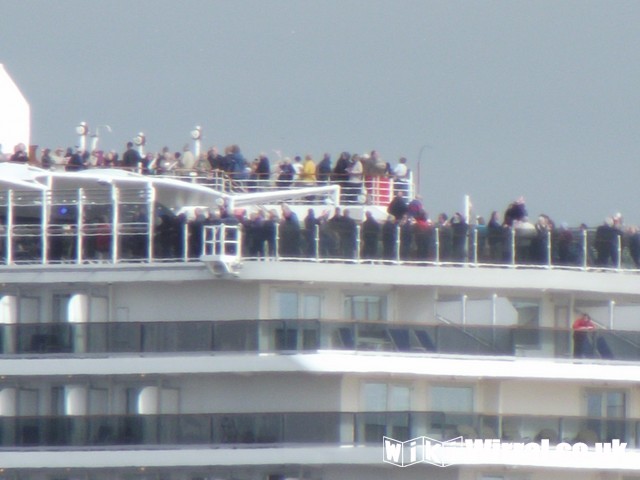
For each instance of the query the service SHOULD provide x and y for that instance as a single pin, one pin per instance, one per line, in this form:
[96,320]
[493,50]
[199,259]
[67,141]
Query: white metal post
[115,220]
[44,225]
[151,220]
[80,226]
[585,250]
[10,228]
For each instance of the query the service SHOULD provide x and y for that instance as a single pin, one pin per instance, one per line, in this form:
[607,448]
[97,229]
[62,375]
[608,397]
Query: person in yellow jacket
[308,174]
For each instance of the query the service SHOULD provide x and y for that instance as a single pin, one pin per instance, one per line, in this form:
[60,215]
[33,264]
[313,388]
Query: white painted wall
[213,300]
[15,121]
[260,392]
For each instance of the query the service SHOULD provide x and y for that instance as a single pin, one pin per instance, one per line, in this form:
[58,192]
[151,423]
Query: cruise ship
[140,343]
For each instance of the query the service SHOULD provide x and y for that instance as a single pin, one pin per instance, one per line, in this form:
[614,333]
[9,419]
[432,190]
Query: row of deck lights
[140,140]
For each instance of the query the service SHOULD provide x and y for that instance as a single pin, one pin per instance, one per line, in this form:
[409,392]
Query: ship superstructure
[123,358]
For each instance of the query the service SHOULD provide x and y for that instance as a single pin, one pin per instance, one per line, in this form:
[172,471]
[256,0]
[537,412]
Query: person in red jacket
[583,327]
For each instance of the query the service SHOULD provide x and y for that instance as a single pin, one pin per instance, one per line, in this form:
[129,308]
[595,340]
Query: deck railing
[114,225]
[247,430]
[306,336]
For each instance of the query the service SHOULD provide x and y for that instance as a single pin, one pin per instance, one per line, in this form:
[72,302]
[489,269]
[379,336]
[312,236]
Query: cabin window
[371,308]
[606,403]
[287,305]
[452,399]
[382,397]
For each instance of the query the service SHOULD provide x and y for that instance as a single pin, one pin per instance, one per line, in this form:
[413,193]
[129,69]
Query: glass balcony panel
[236,336]
[312,427]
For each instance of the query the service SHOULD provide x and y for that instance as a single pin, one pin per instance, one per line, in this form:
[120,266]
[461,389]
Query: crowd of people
[409,233]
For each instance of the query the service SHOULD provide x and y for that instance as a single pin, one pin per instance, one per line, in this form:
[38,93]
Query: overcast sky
[508,98]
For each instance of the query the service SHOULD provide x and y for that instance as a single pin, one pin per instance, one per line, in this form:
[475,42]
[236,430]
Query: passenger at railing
[263,171]
[340,174]
[480,229]
[289,233]
[196,233]
[405,227]
[445,237]
[238,163]
[111,159]
[607,237]
[389,238]
[344,230]
[75,161]
[568,250]
[459,232]
[308,174]
[423,235]
[496,234]
[398,206]
[633,234]
[370,233]
[269,231]
[415,207]
[524,232]
[131,157]
[252,229]
[354,185]
[297,169]
[188,159]
[46,161]
[19,154]
[583,342]
[515,212]
[329,240]
[216,161]
[310,223]
[164,236]
[401,176]
[538,249]
[285,177]
[324,170]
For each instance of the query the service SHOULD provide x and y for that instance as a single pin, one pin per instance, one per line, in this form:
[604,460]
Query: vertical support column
[277,245]
[115,221]
[398,238]
[494,309]
[358,241]
[619,247]
[185,242]
[437,246]
[585,250]
[78,316]
[8,402]
[10,228]
[151,218]
[75,400]
[549,249]
[612,307]
[148,403]
[9,319]
[44,227]
[316,238]
[513,246]
[475,246]
[464,309]
[80,227]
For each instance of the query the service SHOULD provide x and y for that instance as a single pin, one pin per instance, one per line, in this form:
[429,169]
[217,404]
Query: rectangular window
[381,397]
[371,308]
[290,305]
[452,399]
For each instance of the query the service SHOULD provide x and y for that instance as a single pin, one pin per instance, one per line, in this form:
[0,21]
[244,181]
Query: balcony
[305,336]
[289,429]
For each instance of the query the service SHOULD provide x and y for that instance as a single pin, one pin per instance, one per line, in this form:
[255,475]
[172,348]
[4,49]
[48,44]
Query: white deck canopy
[15,124]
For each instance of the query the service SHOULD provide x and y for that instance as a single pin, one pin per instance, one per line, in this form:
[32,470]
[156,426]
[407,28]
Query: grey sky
[533,98]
